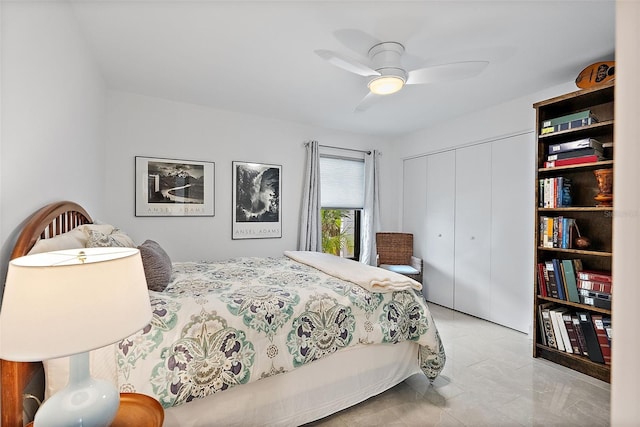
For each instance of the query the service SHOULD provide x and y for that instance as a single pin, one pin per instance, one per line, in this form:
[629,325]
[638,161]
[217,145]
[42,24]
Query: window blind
[341,183]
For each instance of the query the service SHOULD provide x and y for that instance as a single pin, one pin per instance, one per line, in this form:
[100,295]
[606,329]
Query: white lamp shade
[61,303]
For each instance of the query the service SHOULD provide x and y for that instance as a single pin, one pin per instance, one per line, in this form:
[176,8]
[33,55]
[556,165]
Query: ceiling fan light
[386,85]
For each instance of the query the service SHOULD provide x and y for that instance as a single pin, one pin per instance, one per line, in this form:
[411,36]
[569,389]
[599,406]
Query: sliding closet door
[473,231]
[439,251]
[512,225]
[414,202]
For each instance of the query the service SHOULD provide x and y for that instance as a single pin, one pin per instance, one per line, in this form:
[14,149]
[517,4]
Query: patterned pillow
[157,265]
[117,238]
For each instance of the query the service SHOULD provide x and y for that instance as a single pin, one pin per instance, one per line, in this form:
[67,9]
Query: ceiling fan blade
[370,99]
[346,63]
[356,40]
[446,72]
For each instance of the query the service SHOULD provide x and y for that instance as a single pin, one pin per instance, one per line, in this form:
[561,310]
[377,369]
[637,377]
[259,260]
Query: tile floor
[490,379]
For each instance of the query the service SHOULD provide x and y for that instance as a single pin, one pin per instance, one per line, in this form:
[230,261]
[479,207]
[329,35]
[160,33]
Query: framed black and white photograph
[257,213]
[168,187]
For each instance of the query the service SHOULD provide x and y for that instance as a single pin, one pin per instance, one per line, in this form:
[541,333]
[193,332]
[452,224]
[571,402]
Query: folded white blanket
[373,279]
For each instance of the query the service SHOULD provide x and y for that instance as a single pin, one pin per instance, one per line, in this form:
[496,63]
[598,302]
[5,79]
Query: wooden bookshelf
[593,221]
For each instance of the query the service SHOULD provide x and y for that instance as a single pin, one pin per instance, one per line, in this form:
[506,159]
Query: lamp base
[84,402]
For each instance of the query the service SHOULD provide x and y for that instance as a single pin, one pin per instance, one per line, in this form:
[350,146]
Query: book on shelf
[596,286]
[567,237]
[595,299]
[595,275]
[549,191]
[555,192]
[547,325]
[564,332]
[606,321]
[567,118]
[562,291]
[570,280]
[580,152]
[573,161]
[581,340]
[541,321]
[574,145]
[542,279]
[543,334]
[566,227]
[591,339]
[603,339]
[556,232]
[553,285]
[559,330]
[564,198]
[571,332]
[546,232]
[571,121]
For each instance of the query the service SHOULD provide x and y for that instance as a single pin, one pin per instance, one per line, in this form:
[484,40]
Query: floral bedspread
[220,324]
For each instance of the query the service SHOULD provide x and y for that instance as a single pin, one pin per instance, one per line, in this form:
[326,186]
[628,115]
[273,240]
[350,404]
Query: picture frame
[173,187]
[256,205]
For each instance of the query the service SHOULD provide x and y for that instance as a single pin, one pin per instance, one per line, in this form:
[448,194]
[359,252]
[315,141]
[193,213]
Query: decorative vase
[605,187]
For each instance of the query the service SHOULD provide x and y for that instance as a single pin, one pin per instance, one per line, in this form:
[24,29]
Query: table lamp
[66,303]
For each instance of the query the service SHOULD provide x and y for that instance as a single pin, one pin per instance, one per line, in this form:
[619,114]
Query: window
[341,232]
[342,200]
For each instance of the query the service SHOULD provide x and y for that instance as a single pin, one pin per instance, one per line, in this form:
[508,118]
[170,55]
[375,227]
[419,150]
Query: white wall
[152,127]
[507,119]
[53,112]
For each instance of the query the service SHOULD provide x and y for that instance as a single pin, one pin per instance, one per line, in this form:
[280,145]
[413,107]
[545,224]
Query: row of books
[586,150]
[567,280]
[568,121]
[554,192]
[557,232]
[577,332]
[595,288]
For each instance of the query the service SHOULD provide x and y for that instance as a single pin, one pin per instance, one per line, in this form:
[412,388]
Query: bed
[249,341]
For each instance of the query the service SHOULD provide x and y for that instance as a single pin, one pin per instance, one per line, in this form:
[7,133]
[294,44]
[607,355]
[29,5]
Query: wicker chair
[395,253]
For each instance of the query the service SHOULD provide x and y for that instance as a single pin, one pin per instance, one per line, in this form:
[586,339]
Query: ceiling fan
[387,75]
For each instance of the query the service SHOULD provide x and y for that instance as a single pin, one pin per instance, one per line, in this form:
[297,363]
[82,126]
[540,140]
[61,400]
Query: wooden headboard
[49,221]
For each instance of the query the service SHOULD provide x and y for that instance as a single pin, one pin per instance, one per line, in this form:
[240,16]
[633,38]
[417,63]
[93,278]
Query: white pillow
[74,239]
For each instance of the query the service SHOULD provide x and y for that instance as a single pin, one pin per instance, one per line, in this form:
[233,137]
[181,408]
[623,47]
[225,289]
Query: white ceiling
[258,56]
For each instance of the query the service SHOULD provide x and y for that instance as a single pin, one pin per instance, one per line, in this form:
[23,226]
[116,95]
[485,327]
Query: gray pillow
[157,265]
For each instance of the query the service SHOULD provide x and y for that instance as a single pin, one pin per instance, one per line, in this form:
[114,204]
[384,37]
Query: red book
[542,280]
[594,285]
[573,161]
[603,339]
[595,276]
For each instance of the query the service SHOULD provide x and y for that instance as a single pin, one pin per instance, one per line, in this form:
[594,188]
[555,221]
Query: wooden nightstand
[136,410]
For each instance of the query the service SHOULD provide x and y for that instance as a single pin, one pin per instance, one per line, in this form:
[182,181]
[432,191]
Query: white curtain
[371,212]
[310,236]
